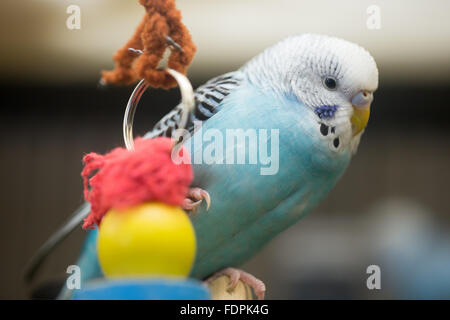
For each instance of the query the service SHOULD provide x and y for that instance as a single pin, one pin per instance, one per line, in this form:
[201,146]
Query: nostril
[362,98]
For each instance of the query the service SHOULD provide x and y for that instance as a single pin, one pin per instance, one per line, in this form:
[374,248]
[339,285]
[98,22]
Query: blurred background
[391,208]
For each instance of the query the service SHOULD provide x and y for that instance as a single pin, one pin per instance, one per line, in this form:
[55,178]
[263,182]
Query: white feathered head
[334,77]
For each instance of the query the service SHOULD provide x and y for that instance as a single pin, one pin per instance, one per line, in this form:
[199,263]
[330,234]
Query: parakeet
[308,100]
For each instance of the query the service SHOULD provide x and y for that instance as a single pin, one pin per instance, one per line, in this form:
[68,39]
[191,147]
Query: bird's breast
[263,167]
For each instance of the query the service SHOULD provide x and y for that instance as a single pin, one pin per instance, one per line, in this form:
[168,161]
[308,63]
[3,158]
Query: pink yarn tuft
[126,178]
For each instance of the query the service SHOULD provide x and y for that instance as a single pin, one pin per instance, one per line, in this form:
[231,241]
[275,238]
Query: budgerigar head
[335,78]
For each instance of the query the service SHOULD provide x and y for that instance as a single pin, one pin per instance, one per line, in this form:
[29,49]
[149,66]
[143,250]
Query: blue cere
[325,112]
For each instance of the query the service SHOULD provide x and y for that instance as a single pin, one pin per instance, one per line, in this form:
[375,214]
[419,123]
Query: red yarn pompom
[125,178]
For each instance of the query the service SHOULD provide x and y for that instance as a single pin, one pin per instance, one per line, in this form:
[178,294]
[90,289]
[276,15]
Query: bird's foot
[195,198]
[236,274]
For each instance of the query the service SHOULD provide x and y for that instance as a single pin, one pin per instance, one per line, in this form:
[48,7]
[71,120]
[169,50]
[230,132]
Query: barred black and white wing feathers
[208,99]
[167,124]
[209,96]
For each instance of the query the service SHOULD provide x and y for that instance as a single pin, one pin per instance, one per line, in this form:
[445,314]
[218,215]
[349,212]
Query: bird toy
[135,194]
[160,28]
[135,198]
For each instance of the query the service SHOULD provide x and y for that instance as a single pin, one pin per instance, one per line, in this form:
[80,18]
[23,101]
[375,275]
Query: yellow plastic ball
[152,239]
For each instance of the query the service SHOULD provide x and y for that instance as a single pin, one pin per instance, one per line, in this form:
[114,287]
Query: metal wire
[187,99]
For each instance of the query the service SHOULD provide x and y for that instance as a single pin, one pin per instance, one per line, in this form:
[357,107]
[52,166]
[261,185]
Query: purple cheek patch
[325,112]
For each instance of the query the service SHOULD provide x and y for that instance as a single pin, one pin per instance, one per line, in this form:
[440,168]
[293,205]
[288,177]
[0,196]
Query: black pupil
[330,83]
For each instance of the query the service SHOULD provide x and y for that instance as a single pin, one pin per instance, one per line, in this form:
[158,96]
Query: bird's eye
[330,83]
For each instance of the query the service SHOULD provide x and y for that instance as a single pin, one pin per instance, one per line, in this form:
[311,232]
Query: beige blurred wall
[412,44]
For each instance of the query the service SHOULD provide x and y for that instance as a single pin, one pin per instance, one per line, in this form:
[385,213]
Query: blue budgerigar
[307,99]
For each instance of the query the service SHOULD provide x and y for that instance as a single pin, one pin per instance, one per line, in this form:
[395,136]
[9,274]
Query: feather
[208,99]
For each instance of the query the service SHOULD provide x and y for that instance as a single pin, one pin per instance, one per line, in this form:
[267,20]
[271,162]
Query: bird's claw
[195,198]
[235,275]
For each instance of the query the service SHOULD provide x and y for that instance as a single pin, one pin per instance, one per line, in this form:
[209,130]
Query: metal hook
[187,99]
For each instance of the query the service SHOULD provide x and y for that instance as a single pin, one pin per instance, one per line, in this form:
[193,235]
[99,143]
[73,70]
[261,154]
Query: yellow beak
[360,118]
